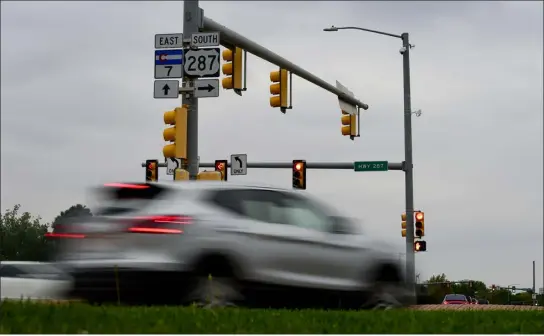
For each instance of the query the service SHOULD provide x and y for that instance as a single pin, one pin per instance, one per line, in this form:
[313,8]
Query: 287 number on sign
[202,62]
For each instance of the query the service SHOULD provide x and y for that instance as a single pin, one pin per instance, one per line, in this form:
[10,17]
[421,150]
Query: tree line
[22,235]
[438,286]
[22,238]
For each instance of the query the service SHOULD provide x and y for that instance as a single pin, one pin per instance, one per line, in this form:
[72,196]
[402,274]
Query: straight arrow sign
[166,89]
[206,88]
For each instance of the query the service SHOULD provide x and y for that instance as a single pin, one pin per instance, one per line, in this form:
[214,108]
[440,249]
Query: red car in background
[455,299]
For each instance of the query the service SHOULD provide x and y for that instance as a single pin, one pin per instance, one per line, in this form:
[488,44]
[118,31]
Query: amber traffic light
[349,124]
[403,224]
[299,174]
[420,246]
[221,166]
[278,89]
[177,135]
[419,219]
[151,170]
[232,69]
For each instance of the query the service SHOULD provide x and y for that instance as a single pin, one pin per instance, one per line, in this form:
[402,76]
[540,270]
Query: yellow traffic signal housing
[349,124]
[151,170]
[299,174]
[278,89]
[221,166]
[232,69]
[181,175]
[177,134]
[420,246]
[419,219]
[403,224]
[210,176]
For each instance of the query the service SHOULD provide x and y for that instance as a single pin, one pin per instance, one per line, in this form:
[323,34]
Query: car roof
[22,263]
[207,185]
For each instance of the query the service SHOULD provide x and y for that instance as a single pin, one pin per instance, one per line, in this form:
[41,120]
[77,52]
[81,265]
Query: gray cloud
[77,110]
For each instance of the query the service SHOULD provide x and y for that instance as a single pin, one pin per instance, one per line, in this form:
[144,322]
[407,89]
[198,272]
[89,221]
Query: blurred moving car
[483,301]
[455,299]
[32,280]
[190,241]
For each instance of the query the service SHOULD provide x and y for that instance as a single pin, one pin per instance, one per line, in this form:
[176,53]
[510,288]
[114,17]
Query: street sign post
[168,63]
[166,89]
[360,166]
[171,165]
[199,40]
[165,41]
[238,164]
[206,88]
[344,106]
[202,62]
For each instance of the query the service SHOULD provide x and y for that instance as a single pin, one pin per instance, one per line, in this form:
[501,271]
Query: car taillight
[162,224]
[445,302]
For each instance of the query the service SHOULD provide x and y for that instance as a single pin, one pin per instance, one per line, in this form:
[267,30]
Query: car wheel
[385,296]
[210,292]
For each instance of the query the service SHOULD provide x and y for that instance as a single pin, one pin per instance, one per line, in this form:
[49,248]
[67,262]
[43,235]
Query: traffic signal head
[299,174]
[232,69]
[419,219]
[210,176]
[349,124]
[177,134]
[420,246]
[278,88]
[151,170]
[403,224]
[221,166]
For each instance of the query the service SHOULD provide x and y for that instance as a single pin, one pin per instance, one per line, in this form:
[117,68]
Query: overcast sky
[78,110]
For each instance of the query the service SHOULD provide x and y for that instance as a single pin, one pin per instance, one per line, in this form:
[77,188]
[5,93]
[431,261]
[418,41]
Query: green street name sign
[360,166]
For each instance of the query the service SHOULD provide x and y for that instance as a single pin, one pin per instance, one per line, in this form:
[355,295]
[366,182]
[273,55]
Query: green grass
[36,318]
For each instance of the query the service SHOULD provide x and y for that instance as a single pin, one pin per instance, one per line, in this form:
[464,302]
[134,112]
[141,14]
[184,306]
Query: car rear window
[121,198]
[455,297]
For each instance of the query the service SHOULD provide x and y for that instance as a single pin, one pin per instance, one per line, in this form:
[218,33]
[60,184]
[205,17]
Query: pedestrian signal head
[151,170]
[221,166]
[299,174]
[420,246]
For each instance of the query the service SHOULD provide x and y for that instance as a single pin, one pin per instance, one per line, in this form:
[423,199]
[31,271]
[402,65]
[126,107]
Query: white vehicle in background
[32,280]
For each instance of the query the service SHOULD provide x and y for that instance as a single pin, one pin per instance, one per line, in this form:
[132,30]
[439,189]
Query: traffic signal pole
[289,165]
[231,38]
[408,167]
[192,22]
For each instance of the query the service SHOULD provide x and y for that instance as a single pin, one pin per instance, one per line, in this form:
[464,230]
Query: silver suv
[225,244]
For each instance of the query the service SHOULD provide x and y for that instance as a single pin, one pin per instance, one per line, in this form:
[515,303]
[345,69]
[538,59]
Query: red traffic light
[221,166]
[419,216]
[298,166]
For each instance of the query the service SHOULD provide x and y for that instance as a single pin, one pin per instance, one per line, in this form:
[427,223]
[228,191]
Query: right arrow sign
[206,88]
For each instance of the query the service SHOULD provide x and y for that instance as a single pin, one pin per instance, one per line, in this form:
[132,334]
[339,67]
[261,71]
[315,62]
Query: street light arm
[333,28]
